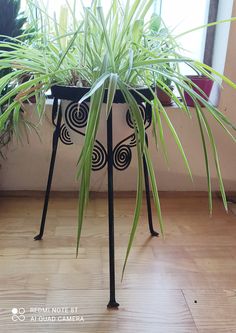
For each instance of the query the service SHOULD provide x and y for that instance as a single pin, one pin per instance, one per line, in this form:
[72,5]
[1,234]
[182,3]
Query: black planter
[76,93]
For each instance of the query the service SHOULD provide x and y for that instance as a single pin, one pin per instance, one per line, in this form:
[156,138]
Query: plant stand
[119,157]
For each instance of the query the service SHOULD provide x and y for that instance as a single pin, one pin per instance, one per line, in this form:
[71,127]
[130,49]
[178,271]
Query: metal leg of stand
[148,200]
[112,302]
[56,135]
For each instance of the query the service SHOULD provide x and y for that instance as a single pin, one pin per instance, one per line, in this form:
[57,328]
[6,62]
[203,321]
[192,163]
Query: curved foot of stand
[154,233]
[113,305]
[38,237]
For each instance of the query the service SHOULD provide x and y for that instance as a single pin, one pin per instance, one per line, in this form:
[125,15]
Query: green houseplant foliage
[11,25]
[157,27]
[118,50]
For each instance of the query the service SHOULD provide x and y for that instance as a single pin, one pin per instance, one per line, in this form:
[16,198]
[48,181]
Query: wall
[27,165]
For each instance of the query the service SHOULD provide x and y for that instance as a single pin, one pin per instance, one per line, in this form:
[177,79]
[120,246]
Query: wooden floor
[185,283]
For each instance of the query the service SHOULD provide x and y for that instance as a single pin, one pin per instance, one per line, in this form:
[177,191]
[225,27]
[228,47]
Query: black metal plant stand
[119,157]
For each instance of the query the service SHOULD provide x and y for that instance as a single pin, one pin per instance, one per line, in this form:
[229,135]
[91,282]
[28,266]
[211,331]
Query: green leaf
[212,70]
[177,140]
[111,92]
[97,84]
[199,117]
[137,30]
[154,188]
[216,158]
[208,25]
[155,23]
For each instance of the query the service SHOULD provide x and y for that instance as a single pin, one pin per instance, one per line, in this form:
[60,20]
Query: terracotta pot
[204,83]
[163,97]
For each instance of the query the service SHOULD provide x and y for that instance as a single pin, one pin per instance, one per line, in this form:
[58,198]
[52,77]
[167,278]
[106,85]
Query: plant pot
[163,97]
[75,117]
[204,83]
[75,122]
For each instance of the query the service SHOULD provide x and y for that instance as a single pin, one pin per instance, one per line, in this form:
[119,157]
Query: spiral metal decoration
[76,116]
[132,140]
[122,156]
[99,157]
[76,119]
[65,135]
[129,119]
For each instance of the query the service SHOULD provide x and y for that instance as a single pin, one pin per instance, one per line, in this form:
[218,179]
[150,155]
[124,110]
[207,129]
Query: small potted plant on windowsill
[202,85]
[103,58]
[165,91]
[164,87]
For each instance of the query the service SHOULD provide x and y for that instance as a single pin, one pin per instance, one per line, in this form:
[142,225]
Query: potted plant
[201,84]
[158,39]
[164,90]
[109,59]
[11,25]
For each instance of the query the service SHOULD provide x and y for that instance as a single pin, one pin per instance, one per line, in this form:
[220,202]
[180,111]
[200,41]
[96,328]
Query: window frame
[211,31]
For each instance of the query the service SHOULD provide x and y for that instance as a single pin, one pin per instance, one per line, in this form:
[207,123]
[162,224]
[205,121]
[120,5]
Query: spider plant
[116,50]
[11,25]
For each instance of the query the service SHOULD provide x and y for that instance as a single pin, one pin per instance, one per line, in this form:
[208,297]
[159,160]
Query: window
[208,45]
[180,16]
[183,15]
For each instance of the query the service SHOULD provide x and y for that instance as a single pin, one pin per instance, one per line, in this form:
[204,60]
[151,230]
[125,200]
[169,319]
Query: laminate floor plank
[183,283]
